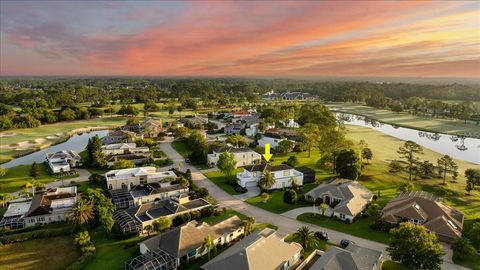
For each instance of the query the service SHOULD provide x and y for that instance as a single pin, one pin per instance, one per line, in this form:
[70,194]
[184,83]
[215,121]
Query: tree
[102,206]
[474,233]
[290,196]
[180,132]
[131,121]
[150,106]
[285,146]
[415,247]
[293,161]
[408,152]
[348,164]
[95,157]
[226,164]
[323,208]
[123,164]
[3,171]
[105,217]
[162,224]
[237,140]
[473,177]
[294,184]
[5,198]
[406,186]
[208,245]
[374,211]
[34,170]
[446,165]
[311,136]
[81,212]
[367,154]
[462,248]
[184,183]
[82,238]
[265,197]
[267,181]
[305,237]
[248,225]
[333,140]
[67,114]
[34,184]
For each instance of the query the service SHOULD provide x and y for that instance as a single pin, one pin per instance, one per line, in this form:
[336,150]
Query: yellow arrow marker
[267,154]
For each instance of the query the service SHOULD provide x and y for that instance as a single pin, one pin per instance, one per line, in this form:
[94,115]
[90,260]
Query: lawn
[16,177]
[215,219]
[276,204]
[360,228]
[112,253]
[181,147]
[405,119]
[391,265]
[471,261]
[377,178]
[40,254]
[220,179]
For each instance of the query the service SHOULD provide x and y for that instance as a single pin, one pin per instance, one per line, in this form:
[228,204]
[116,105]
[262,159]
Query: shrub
[207,211]
[45,233]
[290,196]
[81,262]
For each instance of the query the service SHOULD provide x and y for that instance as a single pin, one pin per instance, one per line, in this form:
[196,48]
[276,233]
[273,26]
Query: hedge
[82,261]
[20,237]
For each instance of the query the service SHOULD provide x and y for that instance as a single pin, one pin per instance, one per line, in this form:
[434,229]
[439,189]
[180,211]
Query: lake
[462,148]
[77,142]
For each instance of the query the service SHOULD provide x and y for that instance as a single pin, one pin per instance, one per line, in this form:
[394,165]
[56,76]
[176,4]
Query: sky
[220,38]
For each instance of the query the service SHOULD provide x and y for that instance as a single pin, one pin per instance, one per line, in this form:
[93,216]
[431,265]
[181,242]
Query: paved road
[286,225]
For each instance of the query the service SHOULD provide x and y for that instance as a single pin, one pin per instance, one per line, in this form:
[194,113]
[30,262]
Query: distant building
[63,161]
[184,243]
[128,178]
[346,198]
[422,208]
[124,148]
[258,251]
[192,122]
[48,207]
[233,128]
[149,128]
[335,258]
[135,219]
[283,175]
[118,136]
[243,156]
[288,96]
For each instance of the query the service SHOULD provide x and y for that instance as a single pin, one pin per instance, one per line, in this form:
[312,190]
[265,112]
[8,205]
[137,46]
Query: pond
[77,142]
[459,147]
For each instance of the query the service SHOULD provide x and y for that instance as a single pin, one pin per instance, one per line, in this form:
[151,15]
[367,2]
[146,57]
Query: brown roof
[265,166]
[435,214]
[181,240]
[41,203]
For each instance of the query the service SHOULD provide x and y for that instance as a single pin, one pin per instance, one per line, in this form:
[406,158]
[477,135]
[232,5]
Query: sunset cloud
[394,38]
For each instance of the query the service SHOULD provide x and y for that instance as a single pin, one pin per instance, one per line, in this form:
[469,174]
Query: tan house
[128,178]
[260,250]
[169,249]
[422,208]
[346,198]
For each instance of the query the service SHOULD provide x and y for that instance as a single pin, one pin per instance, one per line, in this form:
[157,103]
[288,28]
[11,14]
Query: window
[143,180]
[40,219]
[342,216]
[124,186]
[110,186]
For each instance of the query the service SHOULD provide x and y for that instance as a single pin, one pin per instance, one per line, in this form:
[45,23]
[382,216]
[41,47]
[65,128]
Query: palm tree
[265,197]
[267,181]
[208,245]
[34,184]
[323,207]
[294,183]
[248,223]
[305,237]
[82,238]
[5,198]
[184,183]
[149,229]
[81,212]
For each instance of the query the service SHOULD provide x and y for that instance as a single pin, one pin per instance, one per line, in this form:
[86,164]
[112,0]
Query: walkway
[286,225]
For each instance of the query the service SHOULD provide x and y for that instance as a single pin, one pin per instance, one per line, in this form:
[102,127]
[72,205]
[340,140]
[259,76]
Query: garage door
[251,184]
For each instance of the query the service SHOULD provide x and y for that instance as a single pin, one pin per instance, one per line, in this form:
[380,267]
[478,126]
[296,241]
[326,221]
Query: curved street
[286,224]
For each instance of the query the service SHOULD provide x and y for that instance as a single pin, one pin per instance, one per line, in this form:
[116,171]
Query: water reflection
[460,146]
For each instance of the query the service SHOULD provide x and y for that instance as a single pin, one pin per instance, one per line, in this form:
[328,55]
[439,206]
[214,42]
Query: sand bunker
[6,134]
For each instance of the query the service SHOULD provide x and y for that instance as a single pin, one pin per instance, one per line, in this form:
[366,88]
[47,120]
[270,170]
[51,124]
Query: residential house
[151,128]
[13,218]
[422,208]
[193,122]
[335,258]
[243,156]
[274,136]
[51,206]
[124,148]
[291,123]
[128,178]
[63,161]
[260,250]
[288,96]
[135,219]
[151,192]
[283,175]
[233,128]
[346,198]
[272,139]
[184,243]
[118,136]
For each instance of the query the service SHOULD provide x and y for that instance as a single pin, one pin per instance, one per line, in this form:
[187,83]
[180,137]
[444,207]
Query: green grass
[320,245]
[16,177]
[360,228]
[220,179]
[40,254]
[276,204]
[471,261]
[229,213]
[181,147]
[405,119]
[376,176]
[391,265]
[112,253]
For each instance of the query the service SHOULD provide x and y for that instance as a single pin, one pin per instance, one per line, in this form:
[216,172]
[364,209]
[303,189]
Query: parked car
[322,235]
[345,242]
[187,161]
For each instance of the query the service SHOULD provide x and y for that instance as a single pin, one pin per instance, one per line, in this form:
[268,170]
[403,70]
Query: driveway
[294,213]
[286,225]
[252,192]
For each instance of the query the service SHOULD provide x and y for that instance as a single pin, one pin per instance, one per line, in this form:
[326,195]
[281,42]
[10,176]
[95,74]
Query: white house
[291,123]
[243,156]
[283,175]
[63,161]
[271,139]
[128,178]
[124,148]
